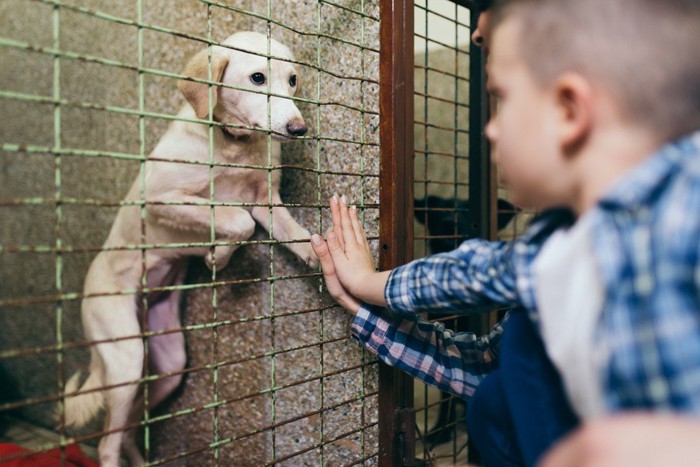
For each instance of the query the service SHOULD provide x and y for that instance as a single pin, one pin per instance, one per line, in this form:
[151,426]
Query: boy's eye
[293,81]
[257,78]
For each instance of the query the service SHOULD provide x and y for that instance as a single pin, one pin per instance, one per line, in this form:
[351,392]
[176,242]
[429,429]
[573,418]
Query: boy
[597,109]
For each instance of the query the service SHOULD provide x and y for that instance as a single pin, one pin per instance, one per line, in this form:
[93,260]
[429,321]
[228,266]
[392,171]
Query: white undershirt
[569,297]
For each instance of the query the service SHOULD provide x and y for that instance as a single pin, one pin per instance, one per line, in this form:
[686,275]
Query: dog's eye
[257,78]
[293,81]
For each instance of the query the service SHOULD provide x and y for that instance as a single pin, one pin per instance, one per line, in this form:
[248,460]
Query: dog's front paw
[309,257]
[221,254]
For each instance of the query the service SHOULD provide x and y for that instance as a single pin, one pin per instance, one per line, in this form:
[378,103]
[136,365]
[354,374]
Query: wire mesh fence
[449,183]
[441,187]
[452,179]
[89,91]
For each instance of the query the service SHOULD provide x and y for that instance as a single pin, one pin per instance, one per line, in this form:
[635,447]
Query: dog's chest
[247,175]
[235,184]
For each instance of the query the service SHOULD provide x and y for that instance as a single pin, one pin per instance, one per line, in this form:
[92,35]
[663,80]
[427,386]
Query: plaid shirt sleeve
[648,244]
[478,273]
[452,362]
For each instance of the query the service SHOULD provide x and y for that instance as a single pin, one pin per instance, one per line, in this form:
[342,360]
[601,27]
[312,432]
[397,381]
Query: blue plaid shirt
[646,242]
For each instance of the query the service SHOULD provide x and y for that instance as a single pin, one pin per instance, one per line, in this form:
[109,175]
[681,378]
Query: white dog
[178,212]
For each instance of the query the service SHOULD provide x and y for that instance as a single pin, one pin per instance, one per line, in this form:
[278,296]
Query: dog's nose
[296,128]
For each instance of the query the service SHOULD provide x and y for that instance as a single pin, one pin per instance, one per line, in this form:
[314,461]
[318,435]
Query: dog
[178,211]
[448,223]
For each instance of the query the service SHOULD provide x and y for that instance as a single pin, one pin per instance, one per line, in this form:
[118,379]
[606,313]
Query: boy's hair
[646,53]
[483,5]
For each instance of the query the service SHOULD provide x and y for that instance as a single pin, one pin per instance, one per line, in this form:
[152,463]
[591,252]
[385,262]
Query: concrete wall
[255,310]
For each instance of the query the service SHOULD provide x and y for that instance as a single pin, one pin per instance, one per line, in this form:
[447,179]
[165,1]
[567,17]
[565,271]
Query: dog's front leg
[221,255]
[231,222]
[285,228]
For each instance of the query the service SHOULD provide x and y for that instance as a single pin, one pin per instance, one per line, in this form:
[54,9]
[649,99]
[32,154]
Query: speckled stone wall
[308,388]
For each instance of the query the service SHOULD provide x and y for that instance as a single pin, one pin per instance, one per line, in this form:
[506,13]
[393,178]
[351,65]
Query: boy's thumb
[316,240]
[319,245]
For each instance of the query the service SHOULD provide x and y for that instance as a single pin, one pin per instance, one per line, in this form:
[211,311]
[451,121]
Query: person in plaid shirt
[598,117]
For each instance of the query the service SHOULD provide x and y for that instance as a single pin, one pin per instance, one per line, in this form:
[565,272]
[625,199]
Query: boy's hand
[351,255]
[348,246]
[335,288]
[347,262]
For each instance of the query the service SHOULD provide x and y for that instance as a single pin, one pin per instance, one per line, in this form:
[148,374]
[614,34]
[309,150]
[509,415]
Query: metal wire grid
[60,296]
[441,184]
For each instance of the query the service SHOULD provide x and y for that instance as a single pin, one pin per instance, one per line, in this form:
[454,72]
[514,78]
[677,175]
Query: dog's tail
[82,408]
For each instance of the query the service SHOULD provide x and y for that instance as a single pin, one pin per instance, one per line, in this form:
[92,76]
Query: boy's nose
[478,37]
[482,29]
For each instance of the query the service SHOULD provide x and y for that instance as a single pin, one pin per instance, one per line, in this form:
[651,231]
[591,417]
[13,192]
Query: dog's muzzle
[296,129]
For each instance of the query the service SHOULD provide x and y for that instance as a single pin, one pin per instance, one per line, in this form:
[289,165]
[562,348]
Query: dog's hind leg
[108,318]
[166,352]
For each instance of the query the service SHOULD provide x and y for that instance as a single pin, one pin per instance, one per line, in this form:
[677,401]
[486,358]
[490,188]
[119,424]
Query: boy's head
[563,70]
[481,32]
[483,5]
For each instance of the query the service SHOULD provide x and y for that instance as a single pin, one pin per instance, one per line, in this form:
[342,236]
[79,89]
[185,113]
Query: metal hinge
[405,438]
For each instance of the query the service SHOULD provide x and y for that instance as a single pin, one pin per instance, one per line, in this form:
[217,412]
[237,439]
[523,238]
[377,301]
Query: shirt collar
[542,226]
[636,188]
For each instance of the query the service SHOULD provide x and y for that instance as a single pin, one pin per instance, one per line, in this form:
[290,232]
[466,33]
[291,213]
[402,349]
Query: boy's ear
[574,95]
[197,94]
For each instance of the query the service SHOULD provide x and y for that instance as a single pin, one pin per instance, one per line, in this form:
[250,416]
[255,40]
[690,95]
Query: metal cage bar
[396,108]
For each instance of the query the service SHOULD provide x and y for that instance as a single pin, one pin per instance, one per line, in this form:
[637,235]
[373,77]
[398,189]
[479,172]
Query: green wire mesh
[442,106]
[88,88]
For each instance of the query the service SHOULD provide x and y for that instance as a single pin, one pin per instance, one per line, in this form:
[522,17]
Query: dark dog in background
[448,223]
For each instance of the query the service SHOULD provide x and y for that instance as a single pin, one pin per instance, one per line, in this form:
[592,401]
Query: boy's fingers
[335,216]
[334,246]
[333,285]
[348,233]
[318,244]
[357,227]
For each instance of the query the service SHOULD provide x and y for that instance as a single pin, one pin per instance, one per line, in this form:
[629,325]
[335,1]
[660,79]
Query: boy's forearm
[371,288]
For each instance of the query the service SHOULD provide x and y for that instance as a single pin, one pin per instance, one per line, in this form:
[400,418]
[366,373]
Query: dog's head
[245,66]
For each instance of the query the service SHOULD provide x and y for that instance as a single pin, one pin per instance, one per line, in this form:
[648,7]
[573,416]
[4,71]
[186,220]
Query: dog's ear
[197,94]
